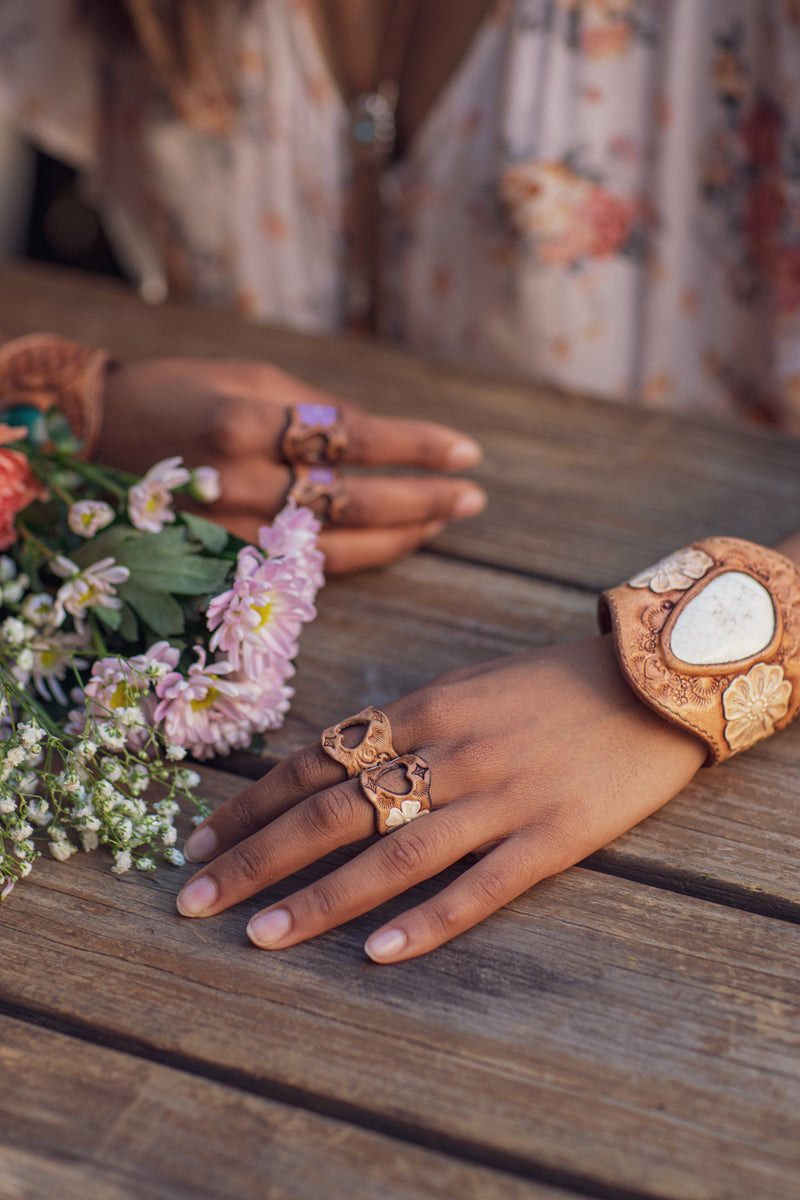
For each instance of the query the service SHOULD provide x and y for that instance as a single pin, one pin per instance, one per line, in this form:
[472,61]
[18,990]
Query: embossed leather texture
[710,638]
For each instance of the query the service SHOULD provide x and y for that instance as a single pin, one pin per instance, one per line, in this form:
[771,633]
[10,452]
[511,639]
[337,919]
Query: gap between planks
[406,1133]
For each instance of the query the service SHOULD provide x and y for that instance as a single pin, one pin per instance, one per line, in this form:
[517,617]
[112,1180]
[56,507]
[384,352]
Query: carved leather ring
[393,809]
[322,489]
[315,434]
[710,638]
[375,746]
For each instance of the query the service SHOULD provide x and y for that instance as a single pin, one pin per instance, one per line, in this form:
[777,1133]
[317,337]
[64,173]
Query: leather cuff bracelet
[710,638]
[44,370]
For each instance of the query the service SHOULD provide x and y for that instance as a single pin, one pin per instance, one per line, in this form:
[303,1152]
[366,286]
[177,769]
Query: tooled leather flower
[753,703]
[676,572]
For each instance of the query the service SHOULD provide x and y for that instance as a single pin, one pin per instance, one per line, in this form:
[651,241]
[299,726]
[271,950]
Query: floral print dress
[605,197]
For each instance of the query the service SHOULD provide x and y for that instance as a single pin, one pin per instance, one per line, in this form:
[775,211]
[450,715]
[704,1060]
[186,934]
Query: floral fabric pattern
[605,196]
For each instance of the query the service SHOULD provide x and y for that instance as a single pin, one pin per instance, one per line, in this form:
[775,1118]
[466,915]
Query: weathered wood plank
[79,1121]
[581,491]
[594,1030]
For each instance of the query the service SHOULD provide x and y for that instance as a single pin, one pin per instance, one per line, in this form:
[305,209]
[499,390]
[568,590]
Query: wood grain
[597,1033]
[82,1122]
[581,491]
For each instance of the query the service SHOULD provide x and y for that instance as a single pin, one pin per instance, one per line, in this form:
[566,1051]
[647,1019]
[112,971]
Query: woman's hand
[231,415]
[542,758]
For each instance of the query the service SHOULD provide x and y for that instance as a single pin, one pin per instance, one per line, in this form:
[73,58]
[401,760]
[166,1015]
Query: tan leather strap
[43,370]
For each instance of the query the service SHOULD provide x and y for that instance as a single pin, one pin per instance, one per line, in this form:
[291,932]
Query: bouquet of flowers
[131,635]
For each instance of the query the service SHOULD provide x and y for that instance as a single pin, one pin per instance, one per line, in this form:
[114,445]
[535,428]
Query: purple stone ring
[320,488]
[314,434]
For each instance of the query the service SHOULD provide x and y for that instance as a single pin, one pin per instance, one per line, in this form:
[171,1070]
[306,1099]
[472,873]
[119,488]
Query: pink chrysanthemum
[117,682]
[204,712]
[256,623]
[293,537]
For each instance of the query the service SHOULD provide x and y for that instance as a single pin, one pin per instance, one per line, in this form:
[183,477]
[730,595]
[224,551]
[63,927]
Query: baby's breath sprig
[132,633]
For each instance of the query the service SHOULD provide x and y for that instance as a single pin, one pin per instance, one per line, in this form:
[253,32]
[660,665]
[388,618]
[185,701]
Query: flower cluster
[132,633]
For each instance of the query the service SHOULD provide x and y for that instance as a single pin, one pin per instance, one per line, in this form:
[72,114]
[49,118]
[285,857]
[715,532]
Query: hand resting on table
[231,415]
[537,760]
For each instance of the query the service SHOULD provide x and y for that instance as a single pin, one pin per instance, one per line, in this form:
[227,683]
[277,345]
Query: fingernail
[432,528]
[462,454]
[200,845]
[382,947]
[268,928]
[197,897]
[469,502]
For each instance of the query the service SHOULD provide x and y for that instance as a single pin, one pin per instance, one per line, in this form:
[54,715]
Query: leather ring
[314,434]
[320,488]
[374,757]
[393,809]
[375,745]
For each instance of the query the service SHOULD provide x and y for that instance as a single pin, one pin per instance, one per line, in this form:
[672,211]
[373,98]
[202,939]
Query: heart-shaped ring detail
[375,746]
[393,809]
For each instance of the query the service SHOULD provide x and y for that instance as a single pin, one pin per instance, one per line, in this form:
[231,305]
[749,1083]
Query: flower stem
[33,540]
[104,479]
[28,703]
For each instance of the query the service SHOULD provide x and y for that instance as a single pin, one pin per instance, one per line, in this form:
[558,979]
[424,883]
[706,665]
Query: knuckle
[333,812]
[489,887]
[442,920]
[436,706]
[248,863]
[244,816]
[303,770]
[404,854]
[232,416]
[324,899]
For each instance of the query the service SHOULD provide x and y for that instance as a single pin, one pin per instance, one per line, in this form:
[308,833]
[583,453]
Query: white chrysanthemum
[92,587]
[88,517]
[150,500]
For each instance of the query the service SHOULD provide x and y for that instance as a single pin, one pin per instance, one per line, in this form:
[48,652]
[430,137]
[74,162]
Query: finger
[374,441]
[256,422]
[302,834]
[302,774]
[412,854]
[259,488]
[496,880]
[377,502]
[348,550]
[305,773]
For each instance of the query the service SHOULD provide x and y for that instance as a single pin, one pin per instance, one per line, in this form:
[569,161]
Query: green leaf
[160,612]
[208,533]
[166,544]
[112,542]
[188,576]
[111,617]
[158,562]
[129,626]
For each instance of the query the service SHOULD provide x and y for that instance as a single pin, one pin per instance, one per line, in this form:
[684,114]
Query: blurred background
[44,211]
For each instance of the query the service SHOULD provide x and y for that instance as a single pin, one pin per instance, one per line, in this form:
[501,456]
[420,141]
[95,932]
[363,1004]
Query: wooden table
[629,1029]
